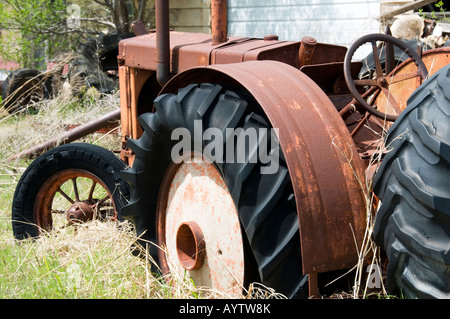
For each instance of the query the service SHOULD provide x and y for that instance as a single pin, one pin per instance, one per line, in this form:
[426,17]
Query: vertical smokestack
[219,21]
[162,42]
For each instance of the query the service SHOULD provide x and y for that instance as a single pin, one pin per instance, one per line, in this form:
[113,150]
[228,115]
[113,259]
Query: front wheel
[68,184]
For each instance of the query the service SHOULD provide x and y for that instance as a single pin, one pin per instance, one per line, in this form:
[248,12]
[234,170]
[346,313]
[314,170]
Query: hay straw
[21,131]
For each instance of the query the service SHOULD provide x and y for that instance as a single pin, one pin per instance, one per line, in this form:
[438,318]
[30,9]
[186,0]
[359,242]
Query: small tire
[23,86]
[265,203]
[413,222]
[78,159]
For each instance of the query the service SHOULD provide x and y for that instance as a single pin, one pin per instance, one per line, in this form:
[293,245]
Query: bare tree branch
[99,21]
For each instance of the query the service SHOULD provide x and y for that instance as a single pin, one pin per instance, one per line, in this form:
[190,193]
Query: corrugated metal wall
[329,21]
[191,15]
[187,15]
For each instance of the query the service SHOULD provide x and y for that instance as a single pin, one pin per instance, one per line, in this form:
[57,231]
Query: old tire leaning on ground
[60,170]
[267,220]
[23,86]
[413,183]
[93,61]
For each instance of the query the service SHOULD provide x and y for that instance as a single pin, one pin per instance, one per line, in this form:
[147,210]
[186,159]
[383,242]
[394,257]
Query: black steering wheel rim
[373,38]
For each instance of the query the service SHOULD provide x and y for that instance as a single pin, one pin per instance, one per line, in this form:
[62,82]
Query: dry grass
[94,260]
[368,269]
[369,261]
[41,268]
[20,131]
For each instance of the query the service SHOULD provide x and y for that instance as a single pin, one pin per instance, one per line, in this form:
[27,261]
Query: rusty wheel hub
[80,212]
[75,193]
[199,227]
[190,244]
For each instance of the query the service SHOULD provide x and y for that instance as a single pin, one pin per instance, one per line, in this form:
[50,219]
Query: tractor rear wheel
[224,222]
[413,222]
[70,183]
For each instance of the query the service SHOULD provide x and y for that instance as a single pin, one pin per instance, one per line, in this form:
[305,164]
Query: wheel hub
[199,227]
[79,212]
[190,246]
[382,82]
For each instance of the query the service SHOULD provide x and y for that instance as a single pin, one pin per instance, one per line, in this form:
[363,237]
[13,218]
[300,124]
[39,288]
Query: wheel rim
[198,225]
[71,196]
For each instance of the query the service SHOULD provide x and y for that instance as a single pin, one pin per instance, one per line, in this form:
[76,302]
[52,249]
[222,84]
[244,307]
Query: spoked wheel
[368,89]
[69,184]
[198,224]
[86,195]
[222,222]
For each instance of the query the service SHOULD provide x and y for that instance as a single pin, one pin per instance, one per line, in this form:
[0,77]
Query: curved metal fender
[325,168]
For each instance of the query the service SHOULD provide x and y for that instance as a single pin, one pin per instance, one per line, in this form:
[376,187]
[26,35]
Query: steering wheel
[380,81]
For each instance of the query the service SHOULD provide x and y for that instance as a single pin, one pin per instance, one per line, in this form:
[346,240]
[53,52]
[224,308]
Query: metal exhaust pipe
[162,42]
[219,21]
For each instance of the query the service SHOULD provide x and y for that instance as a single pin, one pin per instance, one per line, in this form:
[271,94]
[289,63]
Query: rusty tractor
[288,205]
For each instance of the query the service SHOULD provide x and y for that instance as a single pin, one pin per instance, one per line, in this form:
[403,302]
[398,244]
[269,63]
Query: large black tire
[93,59]
[265,203]
[23,86]
[413,183]
[77,156]
[108,50]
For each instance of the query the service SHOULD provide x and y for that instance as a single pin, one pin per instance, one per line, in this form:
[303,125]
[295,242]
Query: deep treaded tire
[265,202]
[413,184]
[76,156]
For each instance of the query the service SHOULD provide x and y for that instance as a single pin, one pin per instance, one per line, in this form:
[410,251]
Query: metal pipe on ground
[69,136]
